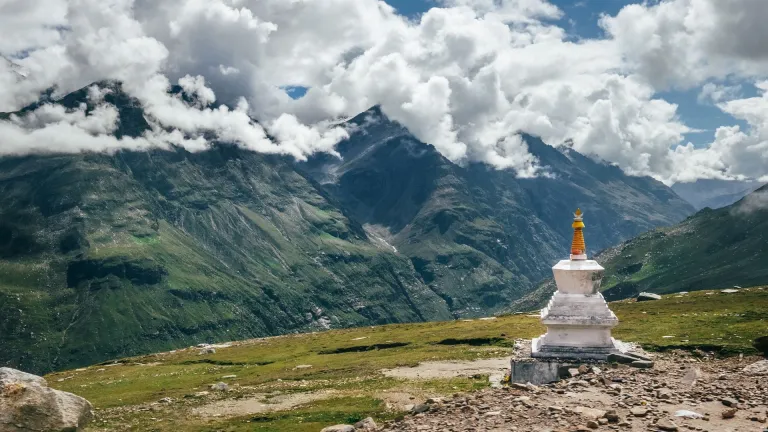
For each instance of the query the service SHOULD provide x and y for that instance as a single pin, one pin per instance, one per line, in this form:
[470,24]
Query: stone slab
[538,372]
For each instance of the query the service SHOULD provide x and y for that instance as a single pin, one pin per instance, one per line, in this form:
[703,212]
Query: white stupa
[577,317]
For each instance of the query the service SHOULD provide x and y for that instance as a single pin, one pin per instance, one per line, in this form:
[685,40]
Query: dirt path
[259,403]
[450,369]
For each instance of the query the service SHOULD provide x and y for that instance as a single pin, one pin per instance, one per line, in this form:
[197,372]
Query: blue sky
[580,20]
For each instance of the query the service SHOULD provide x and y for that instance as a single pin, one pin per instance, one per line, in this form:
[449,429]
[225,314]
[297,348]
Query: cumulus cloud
[713,93]
[467,77]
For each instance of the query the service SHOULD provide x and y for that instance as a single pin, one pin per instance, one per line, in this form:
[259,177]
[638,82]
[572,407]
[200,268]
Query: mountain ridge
[111,255]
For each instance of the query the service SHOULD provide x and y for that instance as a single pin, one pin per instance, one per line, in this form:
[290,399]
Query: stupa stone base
[545,351]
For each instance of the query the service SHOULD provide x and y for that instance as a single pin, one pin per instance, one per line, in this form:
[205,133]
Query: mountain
[111,255]
[714,193]
[481,237]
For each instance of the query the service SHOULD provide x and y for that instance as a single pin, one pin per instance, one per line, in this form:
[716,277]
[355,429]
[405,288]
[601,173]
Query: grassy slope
[709,320]
[712,249]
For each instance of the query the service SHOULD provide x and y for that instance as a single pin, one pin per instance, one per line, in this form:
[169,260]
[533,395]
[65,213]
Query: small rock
[590,413]
[578,383]
[583,369]
[729,402]
[612,416]
[166,400]
[602,421]
[208,350]
[639,411]
[757,369]
[220,386]
[688,414]
[339,428]
[729,414]
[593,424]
[642,364]
[666,425]
[644,296]
[621,358]
[664,393]
[366,424]
[420,408]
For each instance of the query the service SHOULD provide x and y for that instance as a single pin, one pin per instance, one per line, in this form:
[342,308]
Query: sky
[581,21]
[673,89]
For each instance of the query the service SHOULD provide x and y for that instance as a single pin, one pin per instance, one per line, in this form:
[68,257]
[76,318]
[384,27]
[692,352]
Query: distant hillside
[711,249]
[714,193]
[105,256]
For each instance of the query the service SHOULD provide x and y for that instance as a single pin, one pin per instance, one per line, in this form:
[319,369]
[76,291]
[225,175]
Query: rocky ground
[681,392]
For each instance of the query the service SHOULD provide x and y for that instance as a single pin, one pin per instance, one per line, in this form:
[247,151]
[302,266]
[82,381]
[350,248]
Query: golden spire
[578,246]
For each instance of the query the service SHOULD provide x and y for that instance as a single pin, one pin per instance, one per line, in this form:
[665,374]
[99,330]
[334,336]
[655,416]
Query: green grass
[711,320]
[726,323]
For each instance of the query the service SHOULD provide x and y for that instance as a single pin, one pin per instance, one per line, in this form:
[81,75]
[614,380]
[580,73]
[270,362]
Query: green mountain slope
[481,237]
[103,256]
[712,249]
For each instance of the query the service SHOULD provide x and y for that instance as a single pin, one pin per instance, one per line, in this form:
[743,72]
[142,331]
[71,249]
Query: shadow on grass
[363,348]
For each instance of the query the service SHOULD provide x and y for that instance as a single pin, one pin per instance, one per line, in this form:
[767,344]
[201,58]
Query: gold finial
[578,246]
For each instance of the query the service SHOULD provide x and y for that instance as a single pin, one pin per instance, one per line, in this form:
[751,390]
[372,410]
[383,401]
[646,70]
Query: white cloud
[466,77]
[713,92]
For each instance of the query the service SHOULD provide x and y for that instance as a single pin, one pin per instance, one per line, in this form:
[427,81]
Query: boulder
[644,296]
[27,403]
